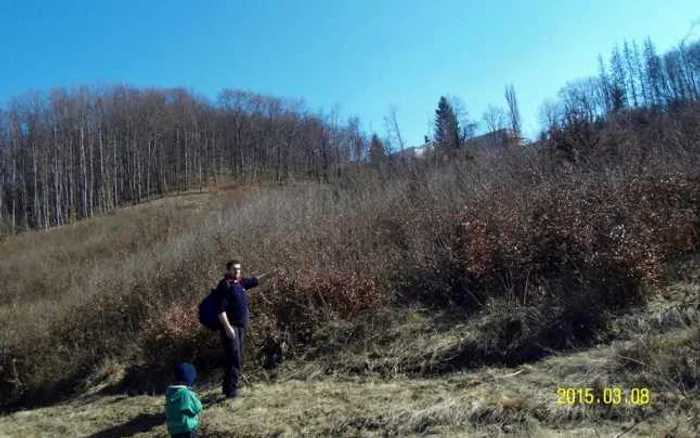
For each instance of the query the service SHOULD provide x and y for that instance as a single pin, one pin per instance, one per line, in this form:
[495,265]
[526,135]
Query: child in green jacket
[182,406]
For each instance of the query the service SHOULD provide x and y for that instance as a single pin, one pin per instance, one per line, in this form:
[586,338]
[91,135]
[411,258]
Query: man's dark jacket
[230,297]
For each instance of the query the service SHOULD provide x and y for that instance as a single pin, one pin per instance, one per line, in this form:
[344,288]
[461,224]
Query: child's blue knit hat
[185,372]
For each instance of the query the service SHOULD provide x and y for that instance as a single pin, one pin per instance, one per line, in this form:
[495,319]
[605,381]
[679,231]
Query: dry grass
[487,402]
[49,277]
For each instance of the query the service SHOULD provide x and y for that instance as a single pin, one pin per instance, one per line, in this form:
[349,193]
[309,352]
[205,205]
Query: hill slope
[404,296]
[656,350]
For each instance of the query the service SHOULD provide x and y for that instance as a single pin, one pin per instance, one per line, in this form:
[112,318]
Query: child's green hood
[182,407]
[174,393]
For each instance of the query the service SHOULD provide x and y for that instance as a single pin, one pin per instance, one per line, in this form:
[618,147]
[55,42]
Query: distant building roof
[497,139]
[493,140]
[414,151]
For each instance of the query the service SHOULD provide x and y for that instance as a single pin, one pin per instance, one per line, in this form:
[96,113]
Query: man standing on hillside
[231,306]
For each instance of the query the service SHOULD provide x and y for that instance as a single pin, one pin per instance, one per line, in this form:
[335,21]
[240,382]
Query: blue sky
[362,55]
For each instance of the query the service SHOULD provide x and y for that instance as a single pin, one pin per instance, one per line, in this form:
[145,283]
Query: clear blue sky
[362,55]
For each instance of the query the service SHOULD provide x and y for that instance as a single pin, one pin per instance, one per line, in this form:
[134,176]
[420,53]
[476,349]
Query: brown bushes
[607,237]
[169,336]
[301,303]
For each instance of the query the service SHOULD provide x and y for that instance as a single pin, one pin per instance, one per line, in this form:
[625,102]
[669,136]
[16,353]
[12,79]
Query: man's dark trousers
[233,349]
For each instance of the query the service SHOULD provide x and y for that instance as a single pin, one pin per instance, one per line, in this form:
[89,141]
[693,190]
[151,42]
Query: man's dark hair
[230,264]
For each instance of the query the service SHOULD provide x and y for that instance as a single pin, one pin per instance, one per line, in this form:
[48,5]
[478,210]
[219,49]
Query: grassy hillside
[653,350]
[391,287]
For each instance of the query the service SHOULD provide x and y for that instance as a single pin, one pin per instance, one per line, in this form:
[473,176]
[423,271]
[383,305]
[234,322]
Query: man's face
[236,270]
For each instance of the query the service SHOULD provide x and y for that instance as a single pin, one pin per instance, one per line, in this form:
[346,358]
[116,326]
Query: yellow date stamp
[608,395]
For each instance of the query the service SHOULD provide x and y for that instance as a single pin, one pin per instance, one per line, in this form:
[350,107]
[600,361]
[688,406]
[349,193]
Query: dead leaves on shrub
[303,300]
[621,234]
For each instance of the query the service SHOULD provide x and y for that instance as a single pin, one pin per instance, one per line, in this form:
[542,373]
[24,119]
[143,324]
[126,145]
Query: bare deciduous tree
[391,123]
[513,110]
[494,118]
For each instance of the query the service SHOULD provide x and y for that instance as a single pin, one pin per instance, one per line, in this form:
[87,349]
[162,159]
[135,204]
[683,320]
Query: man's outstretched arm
[254,281]
[249,283]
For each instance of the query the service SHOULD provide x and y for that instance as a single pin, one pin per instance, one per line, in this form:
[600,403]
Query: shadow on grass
[140,379]
[46,394]
[153,379]
[213,399]
[139,424]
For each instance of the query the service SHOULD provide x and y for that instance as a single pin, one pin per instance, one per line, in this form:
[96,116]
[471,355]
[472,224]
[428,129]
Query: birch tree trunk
[91,163]
[83,169]
[35,167]
[114,172]
[102,188]
[57,178]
